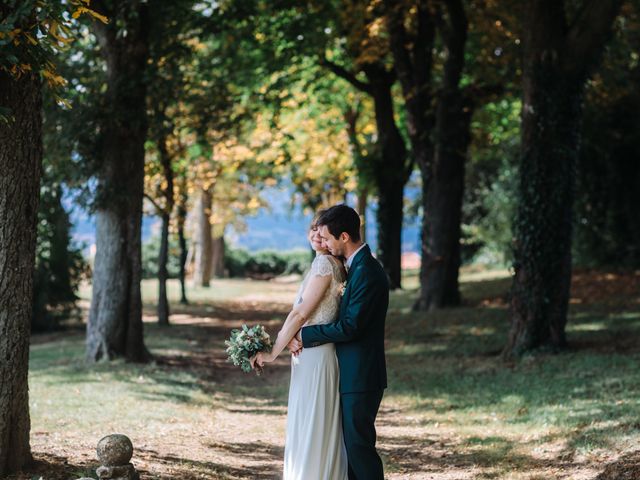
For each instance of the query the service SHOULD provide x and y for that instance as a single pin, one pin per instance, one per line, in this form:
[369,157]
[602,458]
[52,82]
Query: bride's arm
[312,296]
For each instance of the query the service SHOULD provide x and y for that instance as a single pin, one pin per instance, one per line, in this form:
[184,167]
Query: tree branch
[343,73]
[155,204]
[458,23]
[398,43]
[455,36]
[423,44]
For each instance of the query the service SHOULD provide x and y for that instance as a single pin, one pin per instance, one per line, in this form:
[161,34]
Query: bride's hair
[314,223]
[340,218]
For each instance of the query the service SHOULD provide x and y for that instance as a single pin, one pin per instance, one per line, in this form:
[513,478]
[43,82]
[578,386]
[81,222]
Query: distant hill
[278,228]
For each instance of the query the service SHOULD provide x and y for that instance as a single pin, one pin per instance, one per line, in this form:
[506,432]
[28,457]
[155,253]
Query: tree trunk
[443,191]
[363,200]
[202,242]
[440,156]
[543,227]
[20,164]
[444,176]
[115,320]
[217,256]
[362,163]
[163,257]
[556,62]
[392,165]
[389,216]
[163,302]
[182,218]
[391,175]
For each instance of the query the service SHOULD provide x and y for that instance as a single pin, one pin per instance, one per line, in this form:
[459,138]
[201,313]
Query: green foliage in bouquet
[245,343]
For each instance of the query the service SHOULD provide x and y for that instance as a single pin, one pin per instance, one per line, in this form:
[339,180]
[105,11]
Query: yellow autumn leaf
[80,10]
[62,101]
[32,40]
[54,29]
[53,78]
[98,16]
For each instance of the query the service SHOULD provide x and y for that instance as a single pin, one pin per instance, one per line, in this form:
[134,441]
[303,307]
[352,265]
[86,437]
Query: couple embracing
[335,332]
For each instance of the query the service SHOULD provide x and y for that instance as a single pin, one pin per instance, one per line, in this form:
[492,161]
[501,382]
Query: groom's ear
[345,237]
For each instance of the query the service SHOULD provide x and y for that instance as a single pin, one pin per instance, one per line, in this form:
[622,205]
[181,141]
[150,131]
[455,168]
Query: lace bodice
[327,310]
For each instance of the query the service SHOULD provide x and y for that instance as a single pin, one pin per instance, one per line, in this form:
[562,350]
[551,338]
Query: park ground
[453,410]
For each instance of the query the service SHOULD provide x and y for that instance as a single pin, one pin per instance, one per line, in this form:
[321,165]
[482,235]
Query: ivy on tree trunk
[556,65]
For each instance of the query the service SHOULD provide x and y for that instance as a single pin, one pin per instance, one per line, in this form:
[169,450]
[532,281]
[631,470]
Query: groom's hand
[295,345]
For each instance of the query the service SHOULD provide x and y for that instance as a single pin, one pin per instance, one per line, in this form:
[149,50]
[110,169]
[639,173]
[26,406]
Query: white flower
[342,288]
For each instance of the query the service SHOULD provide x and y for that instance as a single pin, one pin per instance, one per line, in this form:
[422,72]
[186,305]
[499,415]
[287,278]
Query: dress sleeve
[322,266]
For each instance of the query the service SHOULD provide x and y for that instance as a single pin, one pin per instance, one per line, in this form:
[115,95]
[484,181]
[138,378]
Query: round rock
[114,450]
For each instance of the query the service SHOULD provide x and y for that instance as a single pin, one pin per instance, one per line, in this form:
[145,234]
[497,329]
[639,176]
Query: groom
[359,337]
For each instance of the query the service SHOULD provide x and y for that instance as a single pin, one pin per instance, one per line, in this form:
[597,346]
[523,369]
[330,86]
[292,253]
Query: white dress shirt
[349,260]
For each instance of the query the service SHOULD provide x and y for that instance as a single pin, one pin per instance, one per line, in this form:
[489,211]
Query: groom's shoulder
[373,265]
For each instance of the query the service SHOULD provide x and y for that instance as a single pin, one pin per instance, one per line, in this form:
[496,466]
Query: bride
[314,446]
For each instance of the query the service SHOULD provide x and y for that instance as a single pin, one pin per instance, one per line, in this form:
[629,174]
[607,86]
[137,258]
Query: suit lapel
[357,259]
[360,256]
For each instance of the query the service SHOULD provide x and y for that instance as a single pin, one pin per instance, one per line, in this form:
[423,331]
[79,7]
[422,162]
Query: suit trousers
[359,412]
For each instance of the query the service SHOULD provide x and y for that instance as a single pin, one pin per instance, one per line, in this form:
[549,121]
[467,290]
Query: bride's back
[327,311]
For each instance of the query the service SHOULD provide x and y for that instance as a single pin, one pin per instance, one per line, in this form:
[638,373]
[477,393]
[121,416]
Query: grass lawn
[453,409]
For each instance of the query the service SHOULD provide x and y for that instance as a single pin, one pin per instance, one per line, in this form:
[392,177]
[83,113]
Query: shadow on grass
[477,293]
[627,467]
[229,311]
[190,365]
[53,467]
[259,465]
[494,455]
[448,354]
[445,363]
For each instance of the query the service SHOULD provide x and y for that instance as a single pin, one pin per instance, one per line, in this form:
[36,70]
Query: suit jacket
[359,331]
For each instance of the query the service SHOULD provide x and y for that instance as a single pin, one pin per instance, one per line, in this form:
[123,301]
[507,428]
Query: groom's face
[333,244]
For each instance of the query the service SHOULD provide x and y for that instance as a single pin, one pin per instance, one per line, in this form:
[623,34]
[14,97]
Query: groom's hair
[341,218]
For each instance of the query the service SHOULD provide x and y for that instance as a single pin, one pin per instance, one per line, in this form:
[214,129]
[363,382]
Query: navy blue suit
[359,337]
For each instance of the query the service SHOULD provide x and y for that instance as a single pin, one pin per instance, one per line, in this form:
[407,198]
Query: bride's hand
[260,359]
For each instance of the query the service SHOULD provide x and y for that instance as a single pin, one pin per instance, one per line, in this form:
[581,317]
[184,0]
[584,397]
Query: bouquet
[245,343]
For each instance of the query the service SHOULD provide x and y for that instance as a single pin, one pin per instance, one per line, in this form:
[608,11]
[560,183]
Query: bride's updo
[314,223]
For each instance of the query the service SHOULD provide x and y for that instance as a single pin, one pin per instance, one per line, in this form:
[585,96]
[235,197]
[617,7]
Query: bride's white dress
[314,446]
